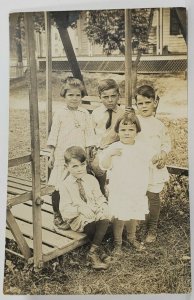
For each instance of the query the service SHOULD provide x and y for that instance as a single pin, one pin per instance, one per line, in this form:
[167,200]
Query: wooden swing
[29,209]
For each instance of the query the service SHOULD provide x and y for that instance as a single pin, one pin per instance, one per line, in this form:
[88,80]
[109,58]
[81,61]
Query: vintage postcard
[98,186]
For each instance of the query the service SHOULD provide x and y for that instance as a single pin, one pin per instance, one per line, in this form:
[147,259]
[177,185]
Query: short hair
[146,91]
[74,152]
[128,118]
[72,83]
[107,84]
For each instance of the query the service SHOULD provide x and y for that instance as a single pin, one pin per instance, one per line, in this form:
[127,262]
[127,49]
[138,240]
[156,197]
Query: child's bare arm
[106,160]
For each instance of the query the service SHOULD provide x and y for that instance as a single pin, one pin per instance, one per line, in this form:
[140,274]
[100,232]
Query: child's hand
[86,211]
[51,161]
[155,159]
[162,160]
[91,153]
[115,152]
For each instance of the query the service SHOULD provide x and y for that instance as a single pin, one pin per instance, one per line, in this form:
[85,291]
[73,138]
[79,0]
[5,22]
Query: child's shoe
[117,251]
[57,218]
[95,261]
[59,223]
[106,258]
[151,236]
[134,243]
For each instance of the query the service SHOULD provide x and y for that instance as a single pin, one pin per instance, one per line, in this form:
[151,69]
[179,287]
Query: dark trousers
[55,201]
[96,231]
[154,210]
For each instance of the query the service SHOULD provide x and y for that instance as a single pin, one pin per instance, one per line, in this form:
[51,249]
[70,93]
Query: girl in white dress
[71,126]
[128,165]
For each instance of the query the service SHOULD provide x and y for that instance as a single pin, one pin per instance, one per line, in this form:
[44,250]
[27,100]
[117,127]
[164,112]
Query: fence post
[35,140]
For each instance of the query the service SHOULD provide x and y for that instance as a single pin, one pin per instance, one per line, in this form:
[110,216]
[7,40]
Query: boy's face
[110,98]
[127,133]
[146,106]
[73,98]
[76,168]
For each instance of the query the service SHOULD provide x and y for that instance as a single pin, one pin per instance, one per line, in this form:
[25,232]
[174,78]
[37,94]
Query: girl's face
[146,106]
[127,133]
[73,98]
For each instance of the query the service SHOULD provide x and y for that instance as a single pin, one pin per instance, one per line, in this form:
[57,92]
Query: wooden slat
[19,186]
[19,160]
[48,237]
[19,199]
[20,180]
[14,191]
[28,196]
[66,249]
[45,248]
[13,226]
[14,253]
[24,212]
[178,170]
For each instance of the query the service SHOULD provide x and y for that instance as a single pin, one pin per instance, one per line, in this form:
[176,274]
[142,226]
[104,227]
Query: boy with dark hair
[82,204]
[104,119]
[154,134]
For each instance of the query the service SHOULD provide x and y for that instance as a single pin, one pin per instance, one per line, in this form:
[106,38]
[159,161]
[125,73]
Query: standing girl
[128,165]
[71,126]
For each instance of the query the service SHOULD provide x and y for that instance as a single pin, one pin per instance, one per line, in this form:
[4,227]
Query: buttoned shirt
[100,115]
[71,201]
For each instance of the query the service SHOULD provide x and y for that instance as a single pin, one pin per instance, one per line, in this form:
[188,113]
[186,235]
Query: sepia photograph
[98,174]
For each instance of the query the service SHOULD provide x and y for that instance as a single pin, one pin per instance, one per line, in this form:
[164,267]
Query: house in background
[167,50]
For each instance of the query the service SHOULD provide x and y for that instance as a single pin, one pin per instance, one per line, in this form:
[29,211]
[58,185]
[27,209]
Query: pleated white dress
[128,181]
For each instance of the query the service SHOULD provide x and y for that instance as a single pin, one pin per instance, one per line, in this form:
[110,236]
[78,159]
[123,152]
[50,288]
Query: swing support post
[128,58]
[35,141]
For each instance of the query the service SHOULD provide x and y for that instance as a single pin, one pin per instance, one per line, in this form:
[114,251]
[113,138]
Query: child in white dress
[153,133]
[71,126]
[128,165]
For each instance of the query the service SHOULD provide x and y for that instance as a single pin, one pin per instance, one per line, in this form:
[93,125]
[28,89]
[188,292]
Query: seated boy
[82,204]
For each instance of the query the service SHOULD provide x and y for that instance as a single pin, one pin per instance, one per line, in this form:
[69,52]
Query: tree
[107,28]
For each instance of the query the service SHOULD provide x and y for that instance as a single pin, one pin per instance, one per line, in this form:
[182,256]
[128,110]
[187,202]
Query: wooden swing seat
[54,242]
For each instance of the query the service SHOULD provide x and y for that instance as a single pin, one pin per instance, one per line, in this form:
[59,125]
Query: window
[174,23]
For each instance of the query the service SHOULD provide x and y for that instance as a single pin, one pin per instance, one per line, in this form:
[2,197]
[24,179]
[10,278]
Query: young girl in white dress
[128,165]
[71,126]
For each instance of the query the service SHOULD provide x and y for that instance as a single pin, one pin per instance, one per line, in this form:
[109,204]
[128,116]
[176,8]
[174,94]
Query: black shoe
[58,220]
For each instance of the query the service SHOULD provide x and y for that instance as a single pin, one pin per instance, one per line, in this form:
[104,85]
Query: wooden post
[128,59]
[60,19]
[48,80]
[48,71]
[11,222]
[161,31]
[35,140]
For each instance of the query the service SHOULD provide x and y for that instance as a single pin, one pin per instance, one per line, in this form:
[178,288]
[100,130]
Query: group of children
[112,145]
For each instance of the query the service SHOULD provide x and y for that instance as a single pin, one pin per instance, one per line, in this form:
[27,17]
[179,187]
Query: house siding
[175,43]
